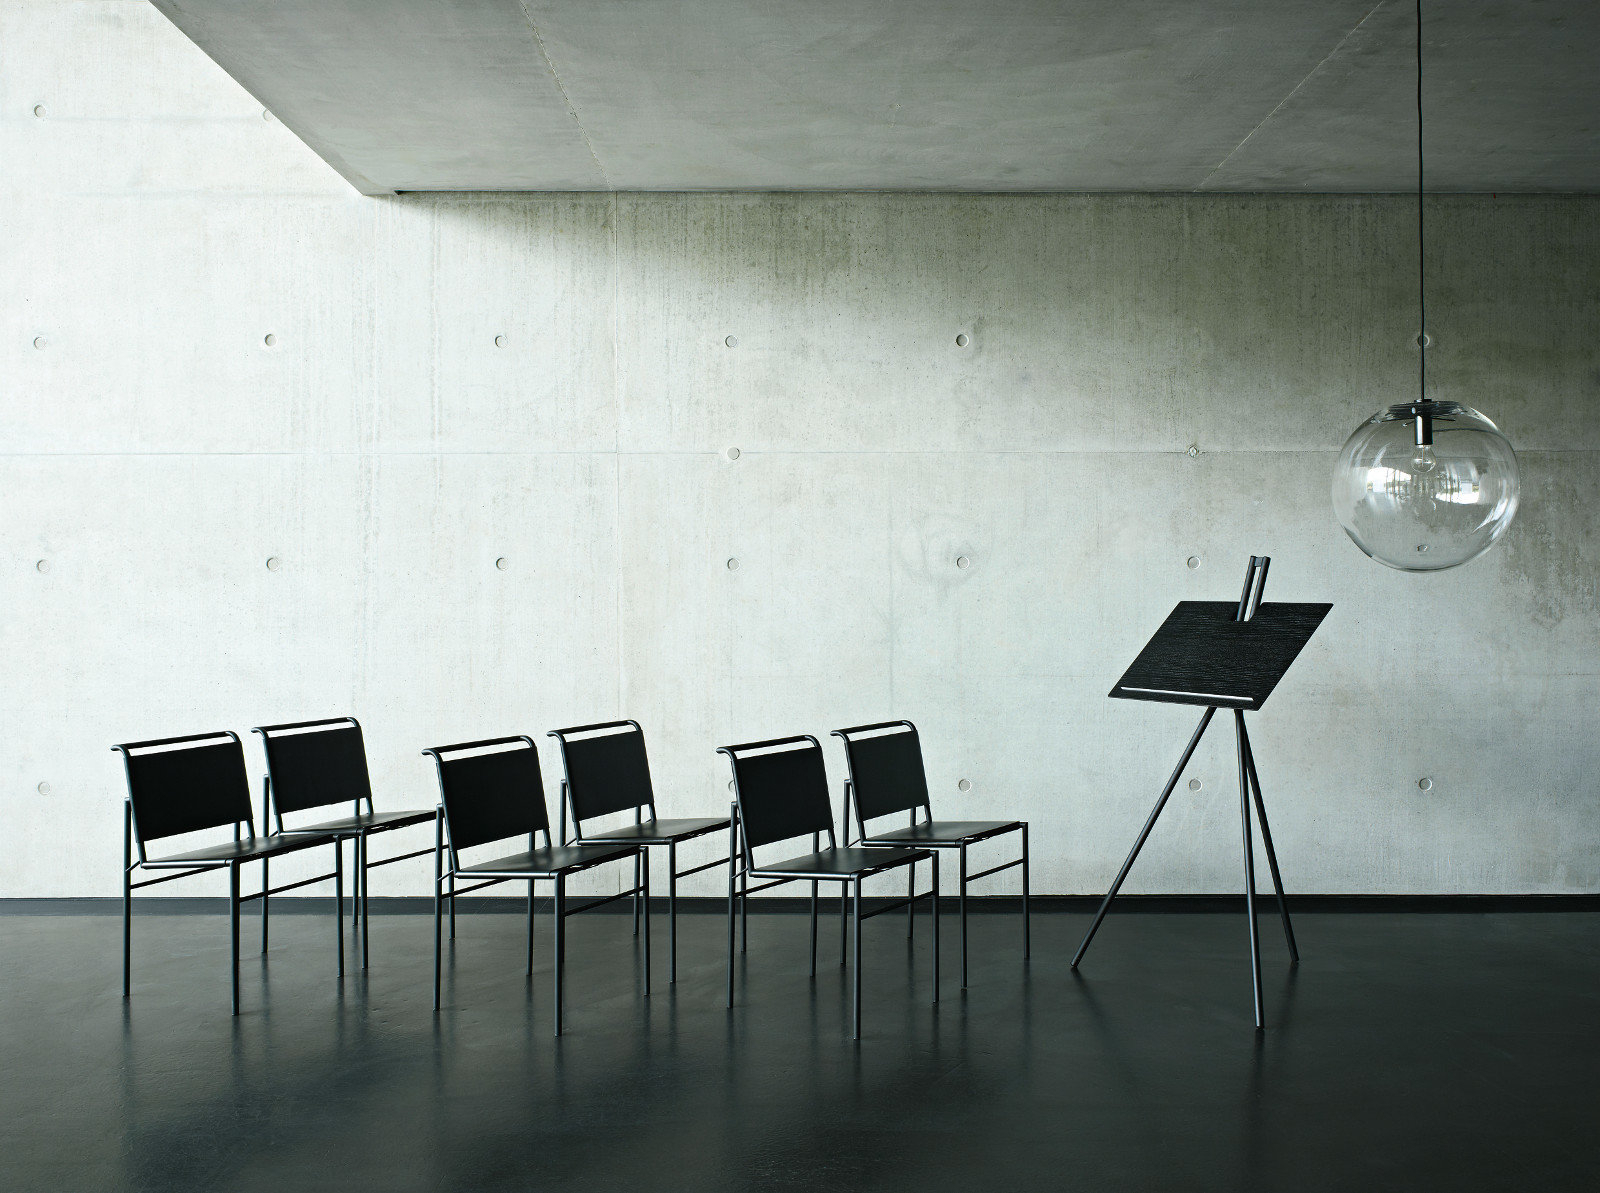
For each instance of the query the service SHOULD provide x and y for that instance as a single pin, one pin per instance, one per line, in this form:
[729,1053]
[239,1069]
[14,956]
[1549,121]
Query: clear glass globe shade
[1425,508]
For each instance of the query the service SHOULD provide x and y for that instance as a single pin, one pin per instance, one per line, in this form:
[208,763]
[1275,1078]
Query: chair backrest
[781,789]
[606,767]
[185,784]
[493,795]
[886,773]
[311,764]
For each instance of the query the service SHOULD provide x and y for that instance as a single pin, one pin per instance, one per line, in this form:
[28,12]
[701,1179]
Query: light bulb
[1422,507]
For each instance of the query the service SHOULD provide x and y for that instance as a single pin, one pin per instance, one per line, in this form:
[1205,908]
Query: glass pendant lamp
[1425,485]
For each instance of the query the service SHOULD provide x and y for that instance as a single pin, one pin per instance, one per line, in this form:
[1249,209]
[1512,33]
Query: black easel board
[1202,655]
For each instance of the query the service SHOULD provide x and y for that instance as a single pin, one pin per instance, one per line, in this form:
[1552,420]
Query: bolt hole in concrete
[266,115]
[42,567]
[502,563]
[1193,562]
[1424,340]
[1425,784]
[1195,784]
[44,789]
[732,341]
[1193,451]
[733,453]
[963,561]
[733,565]
[964,785]
[962,341]
[269,339]
[499,341]
[273,563]
[40,342]
[38,110]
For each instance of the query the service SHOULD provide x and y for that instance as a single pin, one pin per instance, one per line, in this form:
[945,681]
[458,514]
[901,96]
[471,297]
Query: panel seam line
[1268,117]
[555,76]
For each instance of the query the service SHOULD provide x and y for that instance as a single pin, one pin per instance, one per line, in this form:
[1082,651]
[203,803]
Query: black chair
[781,792]
[179,785]
[316,764]
[491,791]
[886,776]
[607,771]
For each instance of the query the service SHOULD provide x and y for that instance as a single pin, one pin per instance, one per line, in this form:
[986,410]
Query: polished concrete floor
[1408,1051]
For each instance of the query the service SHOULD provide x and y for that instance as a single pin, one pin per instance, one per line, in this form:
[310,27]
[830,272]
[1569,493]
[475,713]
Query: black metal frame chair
[316,764]
[496,794]
[781,793]
[176,785]
[887,776]
[608,771]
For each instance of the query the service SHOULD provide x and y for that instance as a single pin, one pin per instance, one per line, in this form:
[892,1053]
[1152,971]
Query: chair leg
[963,903]
[844,924]
[733,846]
[855,903]
[355,886]
[637,858]
[560,942]
[266,885]
[438,933]
[233,927]
[338,898]
[366,903]
[744,910]
[813,927]
[127,904]
[1027,930]
[933,904]
[645,899]
[452,905]
[672,912]
[530,929]
[438,905]
[911,899]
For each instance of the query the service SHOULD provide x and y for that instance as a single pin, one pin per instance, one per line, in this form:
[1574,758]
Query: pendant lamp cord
[1422,258]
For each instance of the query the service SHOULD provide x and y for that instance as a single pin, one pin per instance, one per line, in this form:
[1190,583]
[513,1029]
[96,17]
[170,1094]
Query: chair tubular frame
[853,804]
[133,842]
[362,864]
[670,843]
[445,889]
[742,864]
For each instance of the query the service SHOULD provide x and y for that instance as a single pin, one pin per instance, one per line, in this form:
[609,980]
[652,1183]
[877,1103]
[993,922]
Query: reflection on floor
[1419,1051]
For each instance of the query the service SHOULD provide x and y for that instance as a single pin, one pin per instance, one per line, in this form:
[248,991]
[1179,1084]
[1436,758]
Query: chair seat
[372,822]
[239,851]
[944,832]
[559,859]
[841,863]
[662,831]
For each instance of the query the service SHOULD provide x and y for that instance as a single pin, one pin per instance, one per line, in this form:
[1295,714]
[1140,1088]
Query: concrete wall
[387,448]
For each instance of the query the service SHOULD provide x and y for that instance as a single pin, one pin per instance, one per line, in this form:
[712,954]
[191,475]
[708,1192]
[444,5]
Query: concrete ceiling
[1001,95]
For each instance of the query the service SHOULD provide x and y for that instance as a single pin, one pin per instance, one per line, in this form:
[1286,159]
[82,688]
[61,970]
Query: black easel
[1214,654]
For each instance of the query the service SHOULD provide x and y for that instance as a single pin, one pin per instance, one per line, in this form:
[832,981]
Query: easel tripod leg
[1144,833]
[1266,839]
[1249,873]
